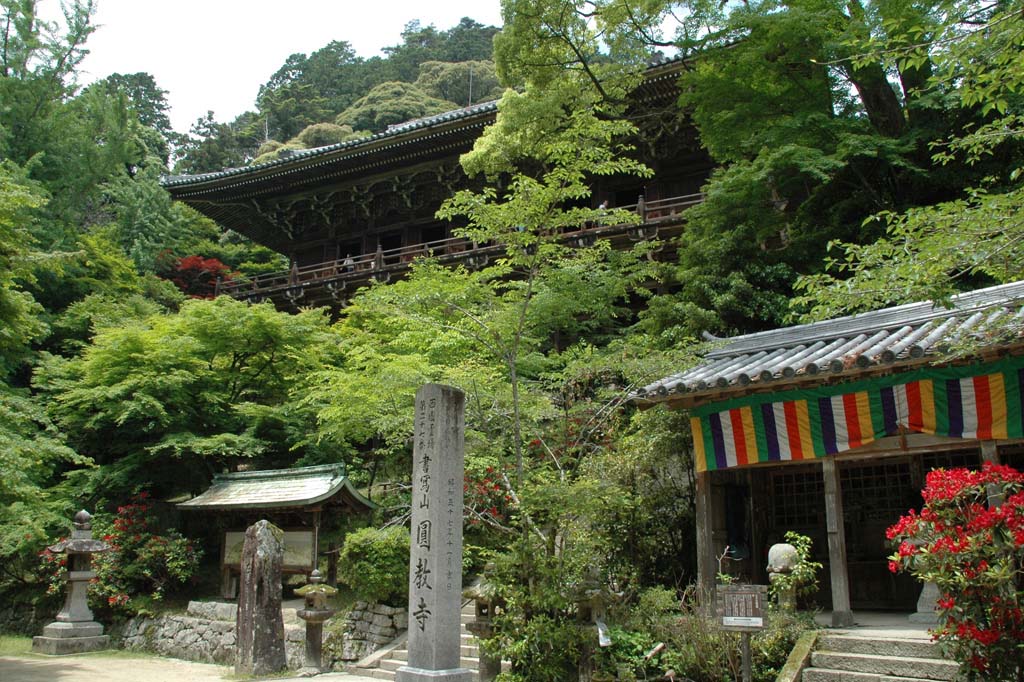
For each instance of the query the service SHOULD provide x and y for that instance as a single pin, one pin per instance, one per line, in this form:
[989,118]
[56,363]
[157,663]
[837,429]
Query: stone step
[470,661]
[853,644]
[892,666]
[826,675]
[388,668]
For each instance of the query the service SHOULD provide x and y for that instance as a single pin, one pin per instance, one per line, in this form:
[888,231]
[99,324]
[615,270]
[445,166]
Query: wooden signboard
[299,550]
[741,608]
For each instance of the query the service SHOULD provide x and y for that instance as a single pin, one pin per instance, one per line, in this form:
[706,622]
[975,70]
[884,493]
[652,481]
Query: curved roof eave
[891,339]
[253,490]
[302,159]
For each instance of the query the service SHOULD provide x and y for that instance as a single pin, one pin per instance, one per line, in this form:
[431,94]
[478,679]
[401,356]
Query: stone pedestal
[926,605]
[74,631]
[435,557]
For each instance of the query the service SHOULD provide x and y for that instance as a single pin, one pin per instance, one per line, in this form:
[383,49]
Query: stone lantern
[315,613]
[782,559]
[592,601]
[482,594]
[75,631]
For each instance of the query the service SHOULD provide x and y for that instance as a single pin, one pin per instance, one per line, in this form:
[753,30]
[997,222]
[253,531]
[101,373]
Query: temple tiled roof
[278,489]
[990,320]
[341,148]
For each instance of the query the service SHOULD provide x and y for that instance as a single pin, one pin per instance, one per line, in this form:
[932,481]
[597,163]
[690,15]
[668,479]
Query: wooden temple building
[828,429]
[363,210]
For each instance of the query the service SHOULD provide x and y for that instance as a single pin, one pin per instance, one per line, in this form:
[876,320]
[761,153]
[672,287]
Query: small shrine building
[299,501]
[828,429]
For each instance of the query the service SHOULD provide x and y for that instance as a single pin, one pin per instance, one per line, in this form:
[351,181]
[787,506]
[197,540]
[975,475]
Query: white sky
[214,54]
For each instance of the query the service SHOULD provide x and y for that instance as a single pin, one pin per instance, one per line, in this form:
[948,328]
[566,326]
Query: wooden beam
[842,615]
[705,549]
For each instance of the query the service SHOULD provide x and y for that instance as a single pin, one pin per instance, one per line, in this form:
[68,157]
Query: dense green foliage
[374,563]
[832,122]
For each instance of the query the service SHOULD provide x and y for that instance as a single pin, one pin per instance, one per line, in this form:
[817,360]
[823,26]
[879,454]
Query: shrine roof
[278,489]
[986,322]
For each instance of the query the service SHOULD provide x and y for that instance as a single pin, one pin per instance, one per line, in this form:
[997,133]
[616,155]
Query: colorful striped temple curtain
[976,401]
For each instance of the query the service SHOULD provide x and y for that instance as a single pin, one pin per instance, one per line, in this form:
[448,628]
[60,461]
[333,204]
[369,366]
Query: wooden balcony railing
[334,276]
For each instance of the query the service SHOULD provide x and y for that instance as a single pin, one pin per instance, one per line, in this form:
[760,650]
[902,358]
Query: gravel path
[92,668]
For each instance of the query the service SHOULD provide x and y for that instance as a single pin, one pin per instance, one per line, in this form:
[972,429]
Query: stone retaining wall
[367,627]
[206,633]
[25,619]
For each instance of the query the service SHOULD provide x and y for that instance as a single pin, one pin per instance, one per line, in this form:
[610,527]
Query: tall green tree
[971,55]
[19,312]
[391,103]
[211,146]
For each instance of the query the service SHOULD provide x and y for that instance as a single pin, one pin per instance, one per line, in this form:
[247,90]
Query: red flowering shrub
[140,566]
[974,552]
[194,275]
[486,497]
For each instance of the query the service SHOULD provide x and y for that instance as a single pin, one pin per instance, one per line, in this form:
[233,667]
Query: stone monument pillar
[75,631]
[260,624]
[435,557]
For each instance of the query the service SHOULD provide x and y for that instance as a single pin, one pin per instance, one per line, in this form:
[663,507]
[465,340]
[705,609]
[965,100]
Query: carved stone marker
[435,557]
[74,631]
[260,624]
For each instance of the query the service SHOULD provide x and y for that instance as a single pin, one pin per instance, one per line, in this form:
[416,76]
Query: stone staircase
[861,658]
[396,657]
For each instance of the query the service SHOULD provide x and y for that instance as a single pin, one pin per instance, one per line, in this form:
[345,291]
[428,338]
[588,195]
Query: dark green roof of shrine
[279,489]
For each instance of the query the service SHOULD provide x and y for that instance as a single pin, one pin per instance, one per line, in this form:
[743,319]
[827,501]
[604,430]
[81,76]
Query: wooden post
[705,548]
[748,673]
[332,563]
[842,616]
[990,455]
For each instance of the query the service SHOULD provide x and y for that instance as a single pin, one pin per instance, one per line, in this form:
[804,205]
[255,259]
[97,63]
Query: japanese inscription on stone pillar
[435,557]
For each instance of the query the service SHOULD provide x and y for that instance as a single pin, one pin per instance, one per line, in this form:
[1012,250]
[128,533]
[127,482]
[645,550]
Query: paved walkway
[106,668]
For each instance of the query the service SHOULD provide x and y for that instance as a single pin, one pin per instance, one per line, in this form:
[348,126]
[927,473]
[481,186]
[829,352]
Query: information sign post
[741,608]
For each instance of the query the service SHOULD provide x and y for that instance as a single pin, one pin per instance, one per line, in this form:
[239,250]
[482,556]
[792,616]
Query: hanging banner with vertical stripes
[976,401]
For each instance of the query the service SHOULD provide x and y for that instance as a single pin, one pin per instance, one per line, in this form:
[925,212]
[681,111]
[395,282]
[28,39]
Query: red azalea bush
[485,496]
[974,553]
[141,566]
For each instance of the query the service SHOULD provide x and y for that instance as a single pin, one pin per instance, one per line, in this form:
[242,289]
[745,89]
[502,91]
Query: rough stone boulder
[260,626]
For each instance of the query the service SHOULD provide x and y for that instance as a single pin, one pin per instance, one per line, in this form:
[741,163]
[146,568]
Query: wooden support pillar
[705,547]
[990,455]
[842,616]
